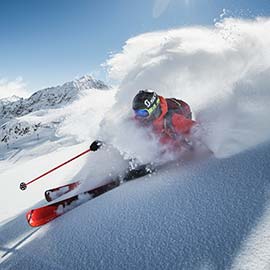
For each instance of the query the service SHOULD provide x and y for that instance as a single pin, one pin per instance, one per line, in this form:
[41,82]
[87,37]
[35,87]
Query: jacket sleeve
[181,124]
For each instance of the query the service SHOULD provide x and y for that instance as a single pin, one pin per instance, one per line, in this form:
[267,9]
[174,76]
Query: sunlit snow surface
[195,216]
[209,213]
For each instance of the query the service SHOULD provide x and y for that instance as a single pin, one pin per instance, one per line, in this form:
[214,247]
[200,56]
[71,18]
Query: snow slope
[208,213]
[196,216]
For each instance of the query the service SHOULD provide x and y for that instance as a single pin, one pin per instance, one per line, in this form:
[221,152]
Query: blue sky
[48,42]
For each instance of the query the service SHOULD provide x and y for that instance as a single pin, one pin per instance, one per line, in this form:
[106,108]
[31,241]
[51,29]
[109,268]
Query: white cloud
[10,88]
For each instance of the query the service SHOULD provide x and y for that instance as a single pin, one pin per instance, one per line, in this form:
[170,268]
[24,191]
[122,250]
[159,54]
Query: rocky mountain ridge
[53,97]
[14,122]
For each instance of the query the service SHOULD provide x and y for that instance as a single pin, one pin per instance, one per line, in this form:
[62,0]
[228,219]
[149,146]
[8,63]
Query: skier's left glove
[96,145]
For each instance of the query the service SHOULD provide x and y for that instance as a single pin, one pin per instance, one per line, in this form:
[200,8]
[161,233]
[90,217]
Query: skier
[169,118]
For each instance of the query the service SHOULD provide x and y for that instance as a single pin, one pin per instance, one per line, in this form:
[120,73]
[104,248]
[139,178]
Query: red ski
[54,193]
[45,214]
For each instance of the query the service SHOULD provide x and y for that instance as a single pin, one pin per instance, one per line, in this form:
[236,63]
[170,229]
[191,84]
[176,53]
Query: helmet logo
[148,103]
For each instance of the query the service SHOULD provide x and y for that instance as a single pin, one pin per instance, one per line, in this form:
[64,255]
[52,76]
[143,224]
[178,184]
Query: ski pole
[93,147]
[24,185]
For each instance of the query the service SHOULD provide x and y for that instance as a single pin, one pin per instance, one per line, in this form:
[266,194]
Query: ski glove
[96,145]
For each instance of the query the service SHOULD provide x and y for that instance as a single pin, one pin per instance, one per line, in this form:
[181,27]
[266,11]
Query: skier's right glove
[96,145]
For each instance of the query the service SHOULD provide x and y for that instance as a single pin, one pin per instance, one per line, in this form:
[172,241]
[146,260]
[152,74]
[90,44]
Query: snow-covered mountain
[52,97]
[14,121]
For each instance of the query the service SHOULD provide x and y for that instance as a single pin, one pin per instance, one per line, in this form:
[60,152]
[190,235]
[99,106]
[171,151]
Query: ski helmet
[146,104]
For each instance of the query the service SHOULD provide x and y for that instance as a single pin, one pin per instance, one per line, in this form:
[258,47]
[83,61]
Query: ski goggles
[144,113]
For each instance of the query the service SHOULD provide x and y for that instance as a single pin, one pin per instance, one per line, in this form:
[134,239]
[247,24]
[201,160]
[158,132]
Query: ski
[40,216]
[55,193]
[45,214]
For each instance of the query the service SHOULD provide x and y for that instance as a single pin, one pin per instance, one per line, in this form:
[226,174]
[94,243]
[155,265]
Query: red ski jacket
[174,123]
